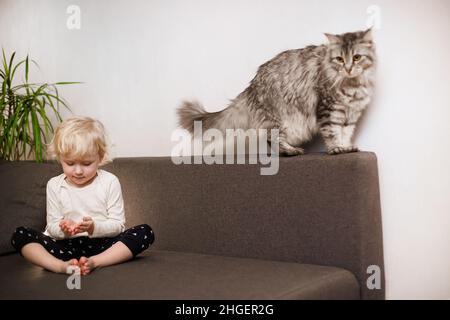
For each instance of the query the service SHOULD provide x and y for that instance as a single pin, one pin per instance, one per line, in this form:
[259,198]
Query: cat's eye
[339,59]
[356,57]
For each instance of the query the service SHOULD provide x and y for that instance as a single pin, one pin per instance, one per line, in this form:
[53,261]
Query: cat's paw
[293,151]
[339,150]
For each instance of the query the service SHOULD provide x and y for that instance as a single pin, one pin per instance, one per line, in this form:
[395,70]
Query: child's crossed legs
[87,253]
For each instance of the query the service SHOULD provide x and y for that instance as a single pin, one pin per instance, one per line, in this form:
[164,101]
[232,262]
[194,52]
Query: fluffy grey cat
[302,92]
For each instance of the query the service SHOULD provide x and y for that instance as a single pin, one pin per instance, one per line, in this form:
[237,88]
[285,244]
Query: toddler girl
[85,210]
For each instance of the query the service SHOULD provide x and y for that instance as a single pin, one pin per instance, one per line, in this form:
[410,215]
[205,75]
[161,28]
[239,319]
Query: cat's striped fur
[302,92]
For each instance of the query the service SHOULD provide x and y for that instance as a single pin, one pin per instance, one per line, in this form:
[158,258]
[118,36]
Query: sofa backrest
[317,209]
[23,197]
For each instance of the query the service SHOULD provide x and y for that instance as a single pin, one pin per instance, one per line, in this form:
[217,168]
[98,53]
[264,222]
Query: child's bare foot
[86,265]
[64,268]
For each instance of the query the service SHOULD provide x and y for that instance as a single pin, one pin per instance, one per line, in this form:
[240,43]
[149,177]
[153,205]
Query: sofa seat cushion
[177,275]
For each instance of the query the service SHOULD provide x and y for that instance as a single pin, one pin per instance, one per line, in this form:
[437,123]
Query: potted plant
[26,110]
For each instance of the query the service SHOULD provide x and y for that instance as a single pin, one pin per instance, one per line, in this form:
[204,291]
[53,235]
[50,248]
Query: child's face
[80,172]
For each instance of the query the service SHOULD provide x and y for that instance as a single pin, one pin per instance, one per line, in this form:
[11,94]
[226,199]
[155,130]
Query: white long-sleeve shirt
[101,200]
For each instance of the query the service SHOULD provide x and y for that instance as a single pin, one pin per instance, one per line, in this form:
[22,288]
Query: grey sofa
[222,231]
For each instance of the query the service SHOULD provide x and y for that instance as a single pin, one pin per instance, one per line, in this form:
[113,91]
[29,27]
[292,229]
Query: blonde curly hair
[78,138]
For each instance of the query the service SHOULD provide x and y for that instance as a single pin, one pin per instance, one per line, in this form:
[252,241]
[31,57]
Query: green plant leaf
[47,125]
[65,83]
[26,70]
[15,68]
[5,66]
[36,136]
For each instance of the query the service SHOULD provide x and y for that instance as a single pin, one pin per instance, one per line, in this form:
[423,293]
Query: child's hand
[86,225]
[68,226]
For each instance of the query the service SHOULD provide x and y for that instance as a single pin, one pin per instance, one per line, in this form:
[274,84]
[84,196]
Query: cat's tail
[191,111]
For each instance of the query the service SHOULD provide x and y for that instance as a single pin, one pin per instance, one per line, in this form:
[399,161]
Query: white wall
[139,59]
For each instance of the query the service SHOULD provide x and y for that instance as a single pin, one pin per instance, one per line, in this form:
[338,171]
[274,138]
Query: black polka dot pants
[137,239]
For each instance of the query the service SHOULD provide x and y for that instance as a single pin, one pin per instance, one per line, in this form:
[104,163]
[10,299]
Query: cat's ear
[332,39]
[367,35]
